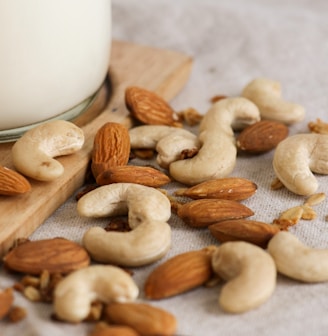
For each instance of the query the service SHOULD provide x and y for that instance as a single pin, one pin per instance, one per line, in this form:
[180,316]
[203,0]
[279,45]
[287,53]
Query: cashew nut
[168,141]
[250,273]
[298,261]
[75,293]
[148,212]
[295,159]
[266,94]
[217,155]
[33,153]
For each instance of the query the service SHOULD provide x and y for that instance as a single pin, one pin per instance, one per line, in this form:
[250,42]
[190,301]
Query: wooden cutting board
[163,71]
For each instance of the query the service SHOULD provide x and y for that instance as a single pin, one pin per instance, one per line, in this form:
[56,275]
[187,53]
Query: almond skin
[261,136]
[143,318]
[12,183]
[149,108]
[57,255]
[230,188]
[147,176]
[180,274]
[111,148]
[6,301]
[102,329]
[204,212]
[255,232]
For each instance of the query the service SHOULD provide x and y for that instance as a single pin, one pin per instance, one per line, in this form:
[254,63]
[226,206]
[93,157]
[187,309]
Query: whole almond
[57,255]
[261,136]
[149,108]
[111,147]
[255,232]
[147,176]
[180,274]
[12,183]
[143,318]
[230,188]
[6,301]
[103,329]
[204,212]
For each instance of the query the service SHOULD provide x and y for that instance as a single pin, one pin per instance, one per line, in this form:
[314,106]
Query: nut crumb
[315,199]
[17,314]
[289,217]
[191,116]
[188,153]
[308,213]
[318,126]
[276,184]
[143,154]
[216,98]
[32,294]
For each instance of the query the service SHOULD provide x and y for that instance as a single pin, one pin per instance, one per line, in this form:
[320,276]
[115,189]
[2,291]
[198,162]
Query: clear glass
[54,58]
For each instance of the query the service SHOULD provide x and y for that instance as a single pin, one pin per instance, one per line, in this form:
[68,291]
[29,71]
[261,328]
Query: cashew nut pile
[249,271]
[148,212]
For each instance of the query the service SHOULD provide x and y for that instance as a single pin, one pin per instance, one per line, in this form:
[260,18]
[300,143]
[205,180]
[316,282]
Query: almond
[12,183]
[111,147]
[180,274]
[143,318]
[149,108]
[6,301]
[57,255]
[147,176]
[230,188]
[258,233]
[204,212]
[103,329]
[261,136]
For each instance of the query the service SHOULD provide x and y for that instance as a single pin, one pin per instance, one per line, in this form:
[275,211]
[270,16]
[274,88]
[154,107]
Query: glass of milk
[54,58]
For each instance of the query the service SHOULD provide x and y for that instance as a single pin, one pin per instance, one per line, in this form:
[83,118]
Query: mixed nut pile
[92,281]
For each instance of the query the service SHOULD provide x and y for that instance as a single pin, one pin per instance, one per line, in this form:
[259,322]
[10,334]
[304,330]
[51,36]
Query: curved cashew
[170,147]
[298,261]
[251,274]
[217,156]
[148,212]
[266,94]
[168,141]
[74,294]
[296,157]
[33,153]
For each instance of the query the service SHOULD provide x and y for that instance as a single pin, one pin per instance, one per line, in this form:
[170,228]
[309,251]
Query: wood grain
[163,71]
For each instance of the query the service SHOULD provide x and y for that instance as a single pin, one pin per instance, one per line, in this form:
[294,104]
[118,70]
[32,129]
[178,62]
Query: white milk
[54,54]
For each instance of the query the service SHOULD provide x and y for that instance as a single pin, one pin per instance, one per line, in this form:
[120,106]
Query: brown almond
[103,329]
[179,274]
[12,183]
[143,318]
[6,301]
[204,212]
[261,136]
[111,147]
[57,255]
[149,108]
[230,188]
[255,232]
[147,176]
